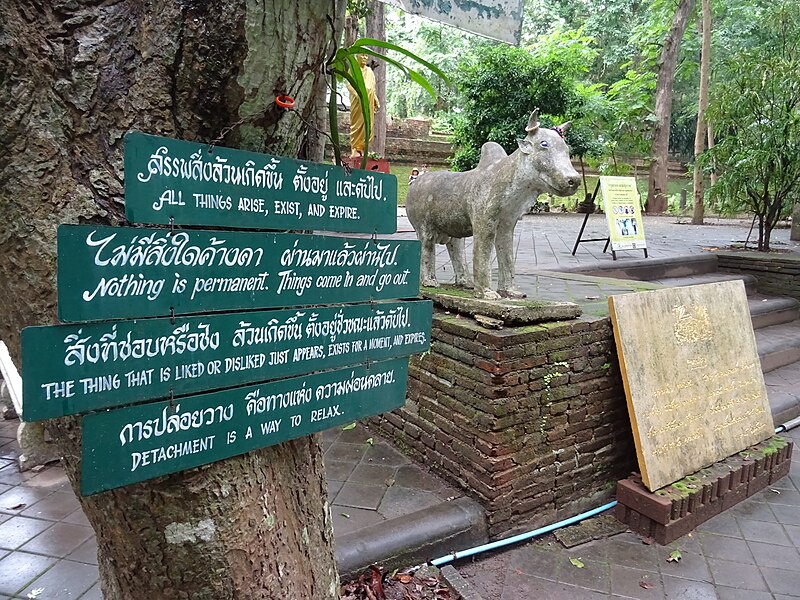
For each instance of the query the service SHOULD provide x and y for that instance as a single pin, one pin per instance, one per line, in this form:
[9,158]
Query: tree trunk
[376,29]
[710,146]
[74,77]
[795,233]
[701,131]
[657,184]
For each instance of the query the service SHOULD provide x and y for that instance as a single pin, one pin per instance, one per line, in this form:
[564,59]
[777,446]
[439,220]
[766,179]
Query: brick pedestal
[529,421]
[675,510]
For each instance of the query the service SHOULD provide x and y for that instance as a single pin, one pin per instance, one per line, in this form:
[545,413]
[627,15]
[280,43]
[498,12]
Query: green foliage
[500,86]
[344,65]
[755,109]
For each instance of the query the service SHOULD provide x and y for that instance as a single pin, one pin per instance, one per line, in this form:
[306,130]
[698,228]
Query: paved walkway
[750,552]
[46,543]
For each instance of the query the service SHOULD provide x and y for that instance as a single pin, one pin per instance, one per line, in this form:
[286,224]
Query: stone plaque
[692,377]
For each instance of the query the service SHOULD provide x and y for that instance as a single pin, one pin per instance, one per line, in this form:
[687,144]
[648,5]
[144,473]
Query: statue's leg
[428,257]
[482,253]
[458,256]
[505,262]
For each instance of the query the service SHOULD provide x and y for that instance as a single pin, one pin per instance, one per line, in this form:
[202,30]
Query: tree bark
[376,29]
[795,232]
[657,184]
[75,76]
[702,131]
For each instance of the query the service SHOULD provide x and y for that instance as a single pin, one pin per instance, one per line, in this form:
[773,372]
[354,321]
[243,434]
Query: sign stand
[580,239]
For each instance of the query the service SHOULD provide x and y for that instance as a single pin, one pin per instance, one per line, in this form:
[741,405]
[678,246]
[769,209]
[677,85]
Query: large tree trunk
[702,131]
[657,184]
[376,29]
[795,232]
[74,77]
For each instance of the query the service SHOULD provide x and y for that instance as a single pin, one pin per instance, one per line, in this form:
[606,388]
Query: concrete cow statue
[445,207]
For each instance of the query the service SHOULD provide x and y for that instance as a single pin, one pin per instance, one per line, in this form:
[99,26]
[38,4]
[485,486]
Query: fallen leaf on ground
[646,585]
[371,441]
[345,515]
[348,427]
[577,562]
[404,578]
[19,506]
[774,491]
[675,556]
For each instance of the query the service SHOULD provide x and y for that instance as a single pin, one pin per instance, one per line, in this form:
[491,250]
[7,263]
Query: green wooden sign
[69,369]
[119,272]
[137,443]
[194,184]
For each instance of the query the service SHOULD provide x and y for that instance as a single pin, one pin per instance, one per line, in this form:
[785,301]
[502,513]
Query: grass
[674,186]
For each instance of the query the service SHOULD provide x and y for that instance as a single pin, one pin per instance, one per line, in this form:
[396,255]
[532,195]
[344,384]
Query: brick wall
[777,274]
[530,421]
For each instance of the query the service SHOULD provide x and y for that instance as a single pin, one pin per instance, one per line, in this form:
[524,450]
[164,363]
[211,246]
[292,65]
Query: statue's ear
[525,145]
[565,126]
[533,122]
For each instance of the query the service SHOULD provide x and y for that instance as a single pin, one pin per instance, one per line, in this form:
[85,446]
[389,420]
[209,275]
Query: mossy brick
[578,326]
[437,335]
[557,343]
[445,425]
[440,361]
[410,429]
[567,355]
[457,326]
[533,504]
[564,391]
[453,352]
[476,348]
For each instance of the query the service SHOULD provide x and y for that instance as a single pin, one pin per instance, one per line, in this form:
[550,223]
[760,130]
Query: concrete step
[766,311]
[783,391]
[701,278]
[778,345]
[649,269]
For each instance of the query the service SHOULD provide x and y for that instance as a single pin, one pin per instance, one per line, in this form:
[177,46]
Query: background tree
[657,182]
[499,85]
[755,109]
[74,77]
[702,131]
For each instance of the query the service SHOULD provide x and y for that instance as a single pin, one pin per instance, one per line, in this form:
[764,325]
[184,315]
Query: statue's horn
[533,122]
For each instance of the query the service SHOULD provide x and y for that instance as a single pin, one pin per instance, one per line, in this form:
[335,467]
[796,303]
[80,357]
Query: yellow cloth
[356,114]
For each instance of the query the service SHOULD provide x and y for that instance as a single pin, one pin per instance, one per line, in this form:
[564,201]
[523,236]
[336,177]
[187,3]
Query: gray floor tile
[635,583]
[382,453]
[722,524]
[540,562]
[691,566]
[59,540]
[793,531]
[727,593]
[346,452]
[768,555]
[633,555]
[594,575]
[736,575]
[782,582]
[54,507]
[21,498]
[760,531]
[399,501]
[86,552]
[790,497]
[373,474]
[722,547]
[94,593]
[19,530]
[346,520]
[787,515]
[66,579]
[756,511]
[339,470]
[20,568]
[356,495]
[519,586]
[676,588]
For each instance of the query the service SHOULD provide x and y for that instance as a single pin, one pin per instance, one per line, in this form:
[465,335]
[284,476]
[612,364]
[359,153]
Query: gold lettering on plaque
[691,323]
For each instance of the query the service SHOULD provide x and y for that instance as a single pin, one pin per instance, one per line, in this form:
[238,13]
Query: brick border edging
[675,510]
